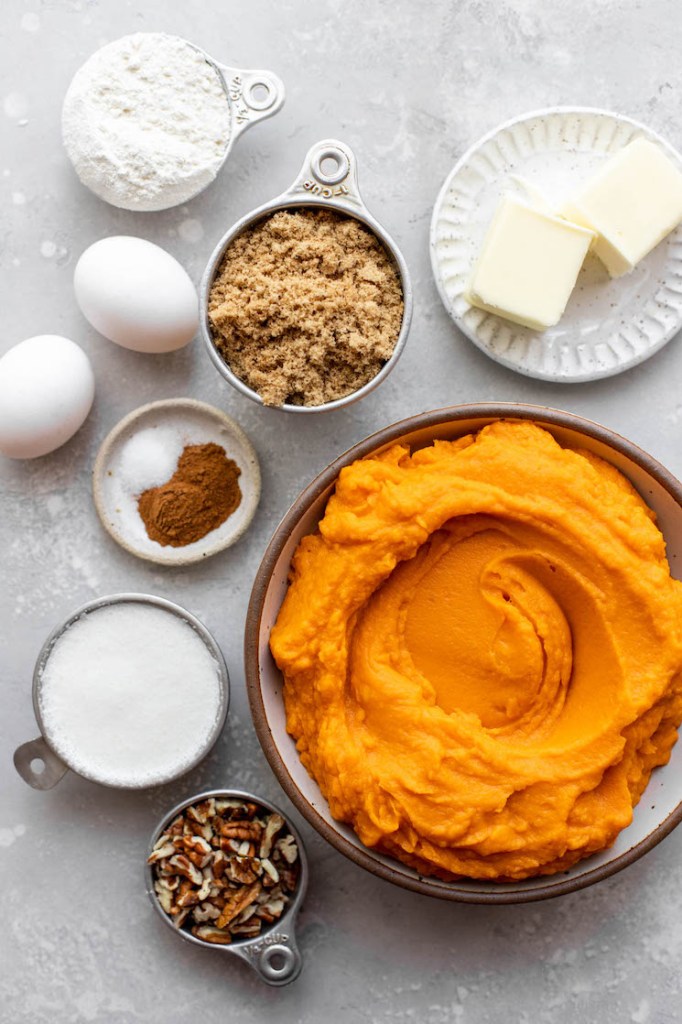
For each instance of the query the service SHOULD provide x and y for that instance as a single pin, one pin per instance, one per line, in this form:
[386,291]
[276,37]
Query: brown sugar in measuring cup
[327,182]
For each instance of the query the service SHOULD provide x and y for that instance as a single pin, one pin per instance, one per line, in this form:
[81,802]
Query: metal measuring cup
[44,750]
[328,179]
[251,96]
[274,954]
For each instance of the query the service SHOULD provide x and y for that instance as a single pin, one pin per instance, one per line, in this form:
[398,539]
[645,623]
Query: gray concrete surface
[409,85]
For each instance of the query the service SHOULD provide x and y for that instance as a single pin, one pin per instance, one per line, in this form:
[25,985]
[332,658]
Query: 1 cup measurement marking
[324,190]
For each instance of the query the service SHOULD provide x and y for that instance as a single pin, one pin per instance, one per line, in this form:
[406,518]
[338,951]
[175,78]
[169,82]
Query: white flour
[146,122]
[130,694]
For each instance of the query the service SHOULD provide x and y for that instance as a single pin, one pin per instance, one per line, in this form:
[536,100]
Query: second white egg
[136,294]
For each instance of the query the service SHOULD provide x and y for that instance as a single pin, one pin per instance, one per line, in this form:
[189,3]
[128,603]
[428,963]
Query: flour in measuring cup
[146,122]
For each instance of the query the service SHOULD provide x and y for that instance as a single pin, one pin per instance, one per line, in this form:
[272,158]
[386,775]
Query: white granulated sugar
[129,694]
[146,122]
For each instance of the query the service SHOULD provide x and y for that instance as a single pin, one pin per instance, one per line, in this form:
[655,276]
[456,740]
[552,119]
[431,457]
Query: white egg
[46,392]
[136,294]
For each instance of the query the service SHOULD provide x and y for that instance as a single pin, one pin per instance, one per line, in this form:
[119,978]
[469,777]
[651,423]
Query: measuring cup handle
[275,959]
[254,95]
[330,172]
[38,750]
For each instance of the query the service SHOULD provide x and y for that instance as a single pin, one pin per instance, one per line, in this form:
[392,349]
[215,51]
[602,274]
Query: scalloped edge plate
[609,325]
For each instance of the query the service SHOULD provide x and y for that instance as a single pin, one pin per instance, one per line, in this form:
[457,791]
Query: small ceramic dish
[42,762]
[609,324]
[273,954]
[657,813]
[328,180]
[172,423]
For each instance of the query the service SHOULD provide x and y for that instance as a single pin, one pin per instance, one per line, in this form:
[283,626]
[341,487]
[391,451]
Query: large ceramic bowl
[659,811]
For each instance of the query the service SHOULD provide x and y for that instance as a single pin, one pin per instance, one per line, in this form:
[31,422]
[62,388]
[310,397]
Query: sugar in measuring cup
[328,180]
[130,691]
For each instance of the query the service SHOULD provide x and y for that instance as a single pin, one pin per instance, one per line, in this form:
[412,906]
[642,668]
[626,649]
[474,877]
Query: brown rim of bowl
[430,885]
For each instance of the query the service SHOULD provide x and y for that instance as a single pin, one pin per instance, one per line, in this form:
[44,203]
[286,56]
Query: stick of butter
[631,203]
[528,265]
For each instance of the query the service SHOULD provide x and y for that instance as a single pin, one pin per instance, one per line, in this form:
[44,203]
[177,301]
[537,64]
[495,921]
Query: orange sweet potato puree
[482,653]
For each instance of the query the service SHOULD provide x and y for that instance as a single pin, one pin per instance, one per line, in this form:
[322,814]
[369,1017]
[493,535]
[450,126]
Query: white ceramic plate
[609,325]
[179,422]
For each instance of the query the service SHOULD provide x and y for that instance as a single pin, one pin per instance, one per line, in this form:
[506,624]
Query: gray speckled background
[408,85]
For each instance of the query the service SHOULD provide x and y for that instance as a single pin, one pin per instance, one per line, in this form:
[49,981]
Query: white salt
[130,695]
[148,459]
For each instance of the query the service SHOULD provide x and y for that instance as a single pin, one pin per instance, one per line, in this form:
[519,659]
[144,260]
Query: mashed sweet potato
[482,653]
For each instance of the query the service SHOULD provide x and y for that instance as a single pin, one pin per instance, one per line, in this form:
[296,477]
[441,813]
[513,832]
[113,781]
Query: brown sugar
[306,307]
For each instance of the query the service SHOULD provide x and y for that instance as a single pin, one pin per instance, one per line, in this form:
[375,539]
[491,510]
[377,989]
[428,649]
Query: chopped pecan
[180,915]
[219,864]
[198,850]
[209,933]
[206,886]
[242,870]
[240,899]
[197,829]
[165,897]
[230,845]
[183,866]
[270,868]
[161,850]
[168,882]
[176,826]
[288,848]
[205,912]
[227,804]
[247,930]
[271,910]
[187,899]
[217,901]
[289,878]
[274,824]
[224,867]
[247,912]
[203,811]
[242,830]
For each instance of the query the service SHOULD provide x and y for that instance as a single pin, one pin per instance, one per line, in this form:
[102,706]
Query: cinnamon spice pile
[203,491]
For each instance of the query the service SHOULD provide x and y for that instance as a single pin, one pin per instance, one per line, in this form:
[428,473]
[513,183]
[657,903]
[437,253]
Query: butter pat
[528,265]
[631,203]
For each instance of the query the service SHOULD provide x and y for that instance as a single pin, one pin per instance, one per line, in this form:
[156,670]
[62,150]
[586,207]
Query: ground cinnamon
[203,491]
